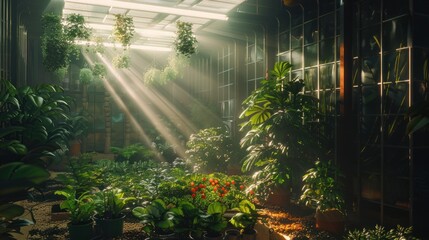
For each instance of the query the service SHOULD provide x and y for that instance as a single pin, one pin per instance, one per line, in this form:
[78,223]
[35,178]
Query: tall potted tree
[278,125]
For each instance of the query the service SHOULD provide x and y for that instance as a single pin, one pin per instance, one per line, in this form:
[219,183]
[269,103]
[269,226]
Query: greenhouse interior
[214,119]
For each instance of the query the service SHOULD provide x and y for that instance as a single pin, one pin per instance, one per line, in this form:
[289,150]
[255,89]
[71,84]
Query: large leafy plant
[246,217]
[379,232]
[279,128]
[111,202]
[322,188]
[158,217]
[80,206]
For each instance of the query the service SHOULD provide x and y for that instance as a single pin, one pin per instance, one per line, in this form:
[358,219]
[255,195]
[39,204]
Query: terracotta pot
[80,232]
[279,196]
[331,220]
[75,148]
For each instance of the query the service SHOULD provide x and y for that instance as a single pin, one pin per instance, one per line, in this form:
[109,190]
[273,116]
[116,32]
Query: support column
[346,133]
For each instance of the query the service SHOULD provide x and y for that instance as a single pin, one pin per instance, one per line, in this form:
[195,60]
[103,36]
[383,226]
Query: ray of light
[143,106]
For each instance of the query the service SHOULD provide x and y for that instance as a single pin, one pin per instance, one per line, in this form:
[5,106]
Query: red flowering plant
[217,187]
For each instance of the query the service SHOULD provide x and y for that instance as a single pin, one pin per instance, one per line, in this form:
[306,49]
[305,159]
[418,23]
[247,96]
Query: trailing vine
[185,42]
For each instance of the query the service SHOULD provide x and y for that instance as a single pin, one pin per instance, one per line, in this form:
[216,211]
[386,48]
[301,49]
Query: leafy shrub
[132,153]
[210,150]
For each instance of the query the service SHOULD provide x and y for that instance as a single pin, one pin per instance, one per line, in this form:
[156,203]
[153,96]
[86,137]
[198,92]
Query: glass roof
[154,20]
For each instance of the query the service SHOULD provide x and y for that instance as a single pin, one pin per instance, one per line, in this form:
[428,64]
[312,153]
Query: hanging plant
[74,28]
[152,76]
[58,40]
[123,30]
[99,71]
[121,61]
[54,44]
[186,42]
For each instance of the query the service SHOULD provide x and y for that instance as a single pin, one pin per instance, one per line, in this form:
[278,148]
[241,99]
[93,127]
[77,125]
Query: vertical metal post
[346,133]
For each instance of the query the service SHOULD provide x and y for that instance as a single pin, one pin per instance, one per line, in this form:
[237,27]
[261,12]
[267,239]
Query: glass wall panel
[310,79]
[310,53]
[284,41]
[370,12]
[296,37]
[327,76]
[327,26]
[327,50]
[311,32]
[395,34]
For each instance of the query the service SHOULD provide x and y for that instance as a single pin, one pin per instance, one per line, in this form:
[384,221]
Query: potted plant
[159,220]
[81,209]
[110,204]
[321,190]
[245,219]
[213,221]
[78,130]
[279,137]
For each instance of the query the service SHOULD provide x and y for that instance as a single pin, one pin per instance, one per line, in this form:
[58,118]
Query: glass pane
[310,79]
[327,76]
[326,6]
[371,70]
[395,127]
[296,37]
[297,58]
[296,74]
[395,8]
[310,32]
[370,42]
[395,98]
[370,134]
[370,12]
[310,55]
[284,57]
[296,14]
[396,176]
[421,37]
[395,34]
[284,41]
[370,99]
[327,26]
[420,64]
[327,50]
[421,6]
[396,66]
[310,10]
[327,102]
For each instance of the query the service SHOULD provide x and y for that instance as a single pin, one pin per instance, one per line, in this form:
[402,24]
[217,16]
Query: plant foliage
[185,42]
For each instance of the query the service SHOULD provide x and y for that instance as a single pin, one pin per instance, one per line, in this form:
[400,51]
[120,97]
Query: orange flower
[232,182]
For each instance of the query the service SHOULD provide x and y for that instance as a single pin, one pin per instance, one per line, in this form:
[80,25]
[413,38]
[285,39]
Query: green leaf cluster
[185,42]
[80,206]
[380,233]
